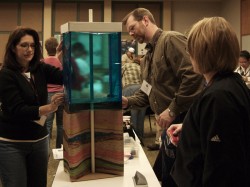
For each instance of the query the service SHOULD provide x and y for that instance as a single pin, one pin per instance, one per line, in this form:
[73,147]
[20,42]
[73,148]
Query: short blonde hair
[213,45]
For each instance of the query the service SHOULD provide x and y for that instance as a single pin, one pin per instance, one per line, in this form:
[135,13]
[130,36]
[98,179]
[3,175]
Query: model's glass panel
[92,70]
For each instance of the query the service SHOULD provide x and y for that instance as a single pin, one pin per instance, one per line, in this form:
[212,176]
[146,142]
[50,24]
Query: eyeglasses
[131,29]
[26,45]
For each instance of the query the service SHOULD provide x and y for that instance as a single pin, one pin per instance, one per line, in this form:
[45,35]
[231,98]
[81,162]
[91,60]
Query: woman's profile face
[244,62]
[24,50]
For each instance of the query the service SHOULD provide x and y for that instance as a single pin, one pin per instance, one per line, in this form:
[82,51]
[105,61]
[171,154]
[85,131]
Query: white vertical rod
[92,122]
[90,15]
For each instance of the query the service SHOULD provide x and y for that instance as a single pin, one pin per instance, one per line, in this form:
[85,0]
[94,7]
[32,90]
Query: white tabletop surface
[140,164]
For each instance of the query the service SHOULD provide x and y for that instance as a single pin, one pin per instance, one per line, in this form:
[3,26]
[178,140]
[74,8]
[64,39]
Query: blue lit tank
[92,69]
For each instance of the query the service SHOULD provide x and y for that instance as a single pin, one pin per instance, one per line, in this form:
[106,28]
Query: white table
[140,164]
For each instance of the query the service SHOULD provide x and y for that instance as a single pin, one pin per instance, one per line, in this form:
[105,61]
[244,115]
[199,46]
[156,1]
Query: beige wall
[245,25]
[167,15]
[47,22]
[245,44]
[230,10]
[176,15]
[185,14]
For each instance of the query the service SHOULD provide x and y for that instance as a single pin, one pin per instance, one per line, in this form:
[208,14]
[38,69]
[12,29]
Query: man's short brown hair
[50,45]
[138,15]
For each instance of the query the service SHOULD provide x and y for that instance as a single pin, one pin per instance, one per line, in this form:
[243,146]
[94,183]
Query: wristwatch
[171,113]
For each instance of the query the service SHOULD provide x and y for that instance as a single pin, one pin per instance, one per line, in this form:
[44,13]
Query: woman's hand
[173,132]
[57,99]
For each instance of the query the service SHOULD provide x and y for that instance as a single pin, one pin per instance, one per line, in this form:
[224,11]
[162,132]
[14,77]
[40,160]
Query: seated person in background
[131,78]
[244,64]
[128,56]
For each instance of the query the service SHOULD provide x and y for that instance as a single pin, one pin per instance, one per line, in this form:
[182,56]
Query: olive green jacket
[170,73]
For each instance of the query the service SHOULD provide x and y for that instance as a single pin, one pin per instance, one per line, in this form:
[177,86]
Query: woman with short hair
[214,140]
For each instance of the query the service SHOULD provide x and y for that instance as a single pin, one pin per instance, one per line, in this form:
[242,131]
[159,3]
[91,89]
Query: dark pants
[24,164]
[59,122]
[166,157]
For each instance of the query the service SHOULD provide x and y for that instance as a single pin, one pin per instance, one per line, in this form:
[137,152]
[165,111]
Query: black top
[214,147]
[20,101]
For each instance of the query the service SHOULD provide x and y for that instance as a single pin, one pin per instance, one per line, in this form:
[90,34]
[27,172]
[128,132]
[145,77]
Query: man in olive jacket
[169,82]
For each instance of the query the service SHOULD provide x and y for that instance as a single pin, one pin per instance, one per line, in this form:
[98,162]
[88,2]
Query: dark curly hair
[14,38]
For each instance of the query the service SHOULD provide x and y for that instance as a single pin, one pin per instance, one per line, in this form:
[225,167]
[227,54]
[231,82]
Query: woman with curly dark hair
[23,110]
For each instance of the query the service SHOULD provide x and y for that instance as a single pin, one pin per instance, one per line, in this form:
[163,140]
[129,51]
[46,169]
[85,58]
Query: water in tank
[92,70]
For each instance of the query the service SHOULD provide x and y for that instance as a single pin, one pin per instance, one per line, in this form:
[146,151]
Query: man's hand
[164,119]
[124,102]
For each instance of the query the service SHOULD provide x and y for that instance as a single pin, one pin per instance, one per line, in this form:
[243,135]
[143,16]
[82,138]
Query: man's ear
[145,20]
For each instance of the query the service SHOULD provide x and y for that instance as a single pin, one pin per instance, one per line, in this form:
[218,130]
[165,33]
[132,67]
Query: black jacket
[20,101]
[214,147]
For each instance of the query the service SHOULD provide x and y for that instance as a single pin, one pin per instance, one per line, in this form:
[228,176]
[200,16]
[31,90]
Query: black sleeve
[53,75]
